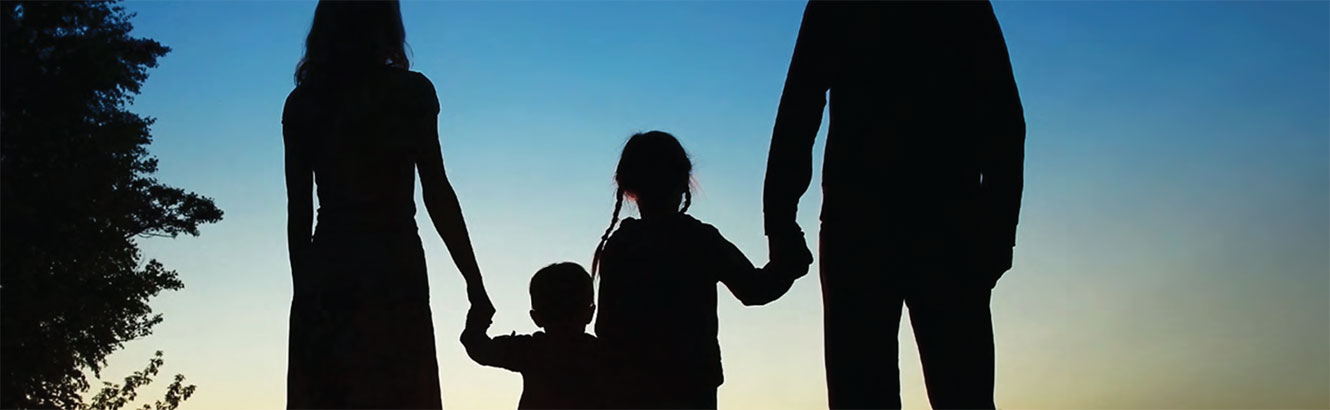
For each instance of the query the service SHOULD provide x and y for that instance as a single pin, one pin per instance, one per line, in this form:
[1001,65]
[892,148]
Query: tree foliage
[77,190]
[117,396]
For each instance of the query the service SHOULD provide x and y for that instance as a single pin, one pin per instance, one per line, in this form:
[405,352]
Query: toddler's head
[561,298]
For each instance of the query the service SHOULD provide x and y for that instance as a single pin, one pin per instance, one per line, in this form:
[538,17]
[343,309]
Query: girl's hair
[654,166]
[349,36]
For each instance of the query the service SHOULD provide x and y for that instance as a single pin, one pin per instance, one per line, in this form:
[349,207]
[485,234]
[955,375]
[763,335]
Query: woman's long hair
[351,36]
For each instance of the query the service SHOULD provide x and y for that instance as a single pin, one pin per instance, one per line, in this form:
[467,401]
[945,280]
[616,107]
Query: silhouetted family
[921,193]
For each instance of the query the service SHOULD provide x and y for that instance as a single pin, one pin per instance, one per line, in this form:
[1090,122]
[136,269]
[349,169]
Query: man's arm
[1002,160]
[790,161]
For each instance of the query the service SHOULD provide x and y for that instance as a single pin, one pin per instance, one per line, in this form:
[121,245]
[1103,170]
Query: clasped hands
[789,253]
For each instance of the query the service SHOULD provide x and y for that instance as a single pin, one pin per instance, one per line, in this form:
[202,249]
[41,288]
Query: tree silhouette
[77,191]
[116,396]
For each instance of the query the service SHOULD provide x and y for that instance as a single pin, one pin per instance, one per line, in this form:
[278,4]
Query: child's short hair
[560,290]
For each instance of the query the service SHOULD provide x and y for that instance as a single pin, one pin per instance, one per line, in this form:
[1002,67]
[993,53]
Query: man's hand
[990,263]
[789,249]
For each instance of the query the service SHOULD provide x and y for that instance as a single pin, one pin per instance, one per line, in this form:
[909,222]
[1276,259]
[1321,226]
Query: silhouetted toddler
[658,284]
[561,366]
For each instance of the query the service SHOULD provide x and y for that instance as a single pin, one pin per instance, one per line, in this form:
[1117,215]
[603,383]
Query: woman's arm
[446,213]
[299,197]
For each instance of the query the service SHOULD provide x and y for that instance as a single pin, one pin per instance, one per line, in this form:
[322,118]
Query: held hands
[481,313]
[790,253]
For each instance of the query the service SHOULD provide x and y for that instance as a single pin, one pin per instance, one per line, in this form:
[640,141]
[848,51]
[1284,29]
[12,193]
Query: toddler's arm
[506,352]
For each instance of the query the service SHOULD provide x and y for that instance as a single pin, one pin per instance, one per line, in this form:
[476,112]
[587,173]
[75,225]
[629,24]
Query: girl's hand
[790,249]
[787,269]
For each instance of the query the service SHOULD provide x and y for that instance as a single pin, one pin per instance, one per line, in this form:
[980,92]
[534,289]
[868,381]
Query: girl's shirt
[657,306]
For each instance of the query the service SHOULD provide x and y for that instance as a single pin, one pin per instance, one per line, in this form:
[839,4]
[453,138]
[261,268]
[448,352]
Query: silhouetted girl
[658,284]
[362,124]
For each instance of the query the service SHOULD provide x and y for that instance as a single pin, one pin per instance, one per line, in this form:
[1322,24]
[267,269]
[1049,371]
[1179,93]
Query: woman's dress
[361,335]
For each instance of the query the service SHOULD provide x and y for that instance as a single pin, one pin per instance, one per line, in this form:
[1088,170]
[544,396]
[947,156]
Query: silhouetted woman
[658,284]
[362,124]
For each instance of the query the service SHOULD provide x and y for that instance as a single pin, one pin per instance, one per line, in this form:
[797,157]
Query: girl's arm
[299,197]
[444,209]
[751,285]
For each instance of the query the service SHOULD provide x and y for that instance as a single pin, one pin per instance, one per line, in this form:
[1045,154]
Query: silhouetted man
[921,189]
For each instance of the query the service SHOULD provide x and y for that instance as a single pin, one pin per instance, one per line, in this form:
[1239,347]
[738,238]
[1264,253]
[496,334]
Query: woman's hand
[479,299]
[481,313]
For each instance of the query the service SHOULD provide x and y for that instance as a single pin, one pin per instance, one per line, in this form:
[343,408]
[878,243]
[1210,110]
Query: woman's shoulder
[296,103]
[407,78]
[417,89]
[411,90]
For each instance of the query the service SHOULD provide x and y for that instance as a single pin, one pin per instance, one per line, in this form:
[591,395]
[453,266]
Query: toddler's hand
[479,318]
[482,310]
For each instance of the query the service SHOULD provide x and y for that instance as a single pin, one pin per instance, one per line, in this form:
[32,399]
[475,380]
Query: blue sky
[1172,251]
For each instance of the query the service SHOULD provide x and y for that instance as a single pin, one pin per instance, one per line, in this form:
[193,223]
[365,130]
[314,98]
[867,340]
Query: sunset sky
[1172,251]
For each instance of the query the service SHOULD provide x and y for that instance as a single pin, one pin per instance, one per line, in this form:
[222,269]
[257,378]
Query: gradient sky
[1172,251]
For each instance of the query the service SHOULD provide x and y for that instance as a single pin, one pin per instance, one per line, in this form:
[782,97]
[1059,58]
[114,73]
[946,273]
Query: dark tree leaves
[77,191]
[117,396]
